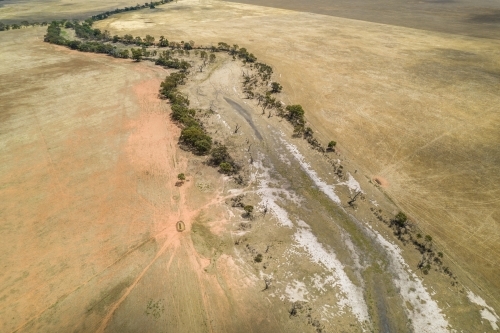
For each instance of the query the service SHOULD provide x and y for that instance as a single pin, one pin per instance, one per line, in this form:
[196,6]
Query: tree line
[98,17]
[150,5]
[258,85]
[22,24]
[194,137]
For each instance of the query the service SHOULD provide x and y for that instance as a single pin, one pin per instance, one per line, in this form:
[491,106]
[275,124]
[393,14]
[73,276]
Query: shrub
[203,146]
[167,87]
[400,219]
[296,114]
[182,113]
[219,155]
[276,87]
[226,168]
[136,54]
[248,209]
[298,130]
[53,34]
[196,138]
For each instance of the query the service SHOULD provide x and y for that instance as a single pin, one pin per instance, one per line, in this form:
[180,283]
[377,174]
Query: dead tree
[249,93]
[264,212]
[260,99]
[268,102]
[268,282]
[267,248]
[212,106]
[295,309]
[237,129]
[353,199]
[245,76]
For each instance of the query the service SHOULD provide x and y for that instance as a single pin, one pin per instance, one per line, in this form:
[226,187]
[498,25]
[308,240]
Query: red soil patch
[380,181]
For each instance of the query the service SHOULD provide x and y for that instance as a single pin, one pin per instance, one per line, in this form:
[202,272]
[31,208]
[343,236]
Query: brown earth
[380,181]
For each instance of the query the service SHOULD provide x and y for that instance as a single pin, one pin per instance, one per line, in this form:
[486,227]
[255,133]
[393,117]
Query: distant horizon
[463,17]
[479,18]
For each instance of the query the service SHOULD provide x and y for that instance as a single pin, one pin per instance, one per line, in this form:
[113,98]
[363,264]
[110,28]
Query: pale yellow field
[417,108]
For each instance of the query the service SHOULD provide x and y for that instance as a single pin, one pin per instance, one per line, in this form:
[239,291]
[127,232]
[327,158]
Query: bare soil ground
[417,108]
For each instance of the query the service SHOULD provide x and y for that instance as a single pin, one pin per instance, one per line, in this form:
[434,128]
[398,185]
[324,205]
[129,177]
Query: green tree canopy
[136,54]
[276,87]
[296,114]
[196,138]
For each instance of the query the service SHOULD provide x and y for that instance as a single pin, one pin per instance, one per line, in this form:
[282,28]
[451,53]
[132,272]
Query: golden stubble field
[417,109]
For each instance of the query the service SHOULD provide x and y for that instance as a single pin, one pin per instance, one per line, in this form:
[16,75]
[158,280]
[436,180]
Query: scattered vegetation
[193,136]
[181,178]
[237,201]
[22,24]
[408,233]
[155,309]
[276,87]
[151,5]
[331,145]
[68,24]
[219,156]
[248,210]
